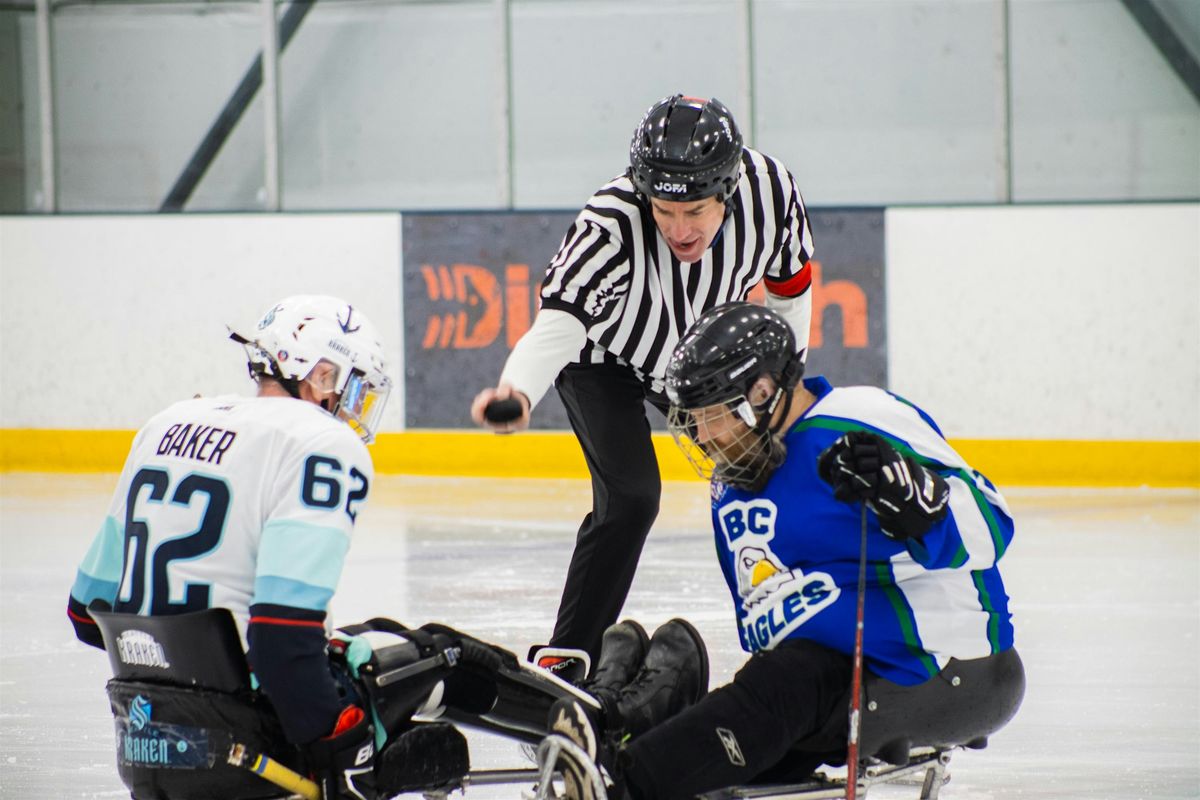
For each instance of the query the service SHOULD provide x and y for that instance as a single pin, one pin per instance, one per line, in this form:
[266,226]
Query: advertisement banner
[470,290]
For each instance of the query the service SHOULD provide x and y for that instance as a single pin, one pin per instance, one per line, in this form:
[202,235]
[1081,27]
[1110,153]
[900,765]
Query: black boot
[622,652]
[673,677]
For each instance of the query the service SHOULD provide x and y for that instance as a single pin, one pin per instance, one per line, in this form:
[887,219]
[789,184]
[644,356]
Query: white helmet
[299,332]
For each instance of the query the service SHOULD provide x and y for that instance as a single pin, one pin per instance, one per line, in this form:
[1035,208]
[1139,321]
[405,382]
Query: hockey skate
[581,777]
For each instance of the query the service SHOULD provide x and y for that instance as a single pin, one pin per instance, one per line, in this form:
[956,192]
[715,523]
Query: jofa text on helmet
[671,188]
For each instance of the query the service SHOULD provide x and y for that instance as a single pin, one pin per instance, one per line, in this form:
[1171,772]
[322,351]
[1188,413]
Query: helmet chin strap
[765,425]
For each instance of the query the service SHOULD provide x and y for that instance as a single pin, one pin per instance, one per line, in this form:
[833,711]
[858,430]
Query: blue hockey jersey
[790,552]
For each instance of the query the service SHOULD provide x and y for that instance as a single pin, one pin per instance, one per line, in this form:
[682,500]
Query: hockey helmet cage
[717,364]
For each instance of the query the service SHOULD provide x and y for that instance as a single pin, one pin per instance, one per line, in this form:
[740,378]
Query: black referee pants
[606,406]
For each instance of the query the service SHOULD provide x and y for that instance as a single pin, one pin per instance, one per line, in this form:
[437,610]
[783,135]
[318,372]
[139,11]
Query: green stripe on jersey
[985,510]
[905,617]
[965,475]
[985,600]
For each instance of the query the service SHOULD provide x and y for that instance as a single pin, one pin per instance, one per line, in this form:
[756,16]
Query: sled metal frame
[927,768]
[926,765]
[542,777]
[496,777]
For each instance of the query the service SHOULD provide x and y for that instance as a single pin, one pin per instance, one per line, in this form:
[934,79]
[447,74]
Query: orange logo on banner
[482,310]
[476,321]
[846,295]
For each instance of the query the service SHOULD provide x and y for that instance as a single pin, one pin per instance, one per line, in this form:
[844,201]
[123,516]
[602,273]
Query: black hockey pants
[606,406]
[738,732]
[785,713]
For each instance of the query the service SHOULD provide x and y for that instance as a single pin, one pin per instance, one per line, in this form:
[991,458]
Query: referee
[697,220]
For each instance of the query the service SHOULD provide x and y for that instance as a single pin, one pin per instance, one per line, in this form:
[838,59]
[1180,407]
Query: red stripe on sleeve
[300,623]
[794,286]
[77,618]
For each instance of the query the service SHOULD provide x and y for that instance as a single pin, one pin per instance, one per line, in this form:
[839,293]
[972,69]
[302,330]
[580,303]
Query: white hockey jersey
[229,502]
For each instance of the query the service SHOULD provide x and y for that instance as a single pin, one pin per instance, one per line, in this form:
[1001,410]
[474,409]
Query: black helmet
[717,363]
[725,351]
[686,148]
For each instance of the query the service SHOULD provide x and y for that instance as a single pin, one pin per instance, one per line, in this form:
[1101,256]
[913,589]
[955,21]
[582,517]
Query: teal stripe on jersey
[302,553]
[86,589]
[904,617]
[99,573]
[287,592]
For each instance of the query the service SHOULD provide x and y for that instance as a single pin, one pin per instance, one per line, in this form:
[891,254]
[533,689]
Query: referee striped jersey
[617,274]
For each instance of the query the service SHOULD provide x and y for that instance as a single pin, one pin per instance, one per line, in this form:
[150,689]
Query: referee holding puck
[697,220]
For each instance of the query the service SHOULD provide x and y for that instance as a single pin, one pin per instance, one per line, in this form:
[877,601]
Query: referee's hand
[492,409]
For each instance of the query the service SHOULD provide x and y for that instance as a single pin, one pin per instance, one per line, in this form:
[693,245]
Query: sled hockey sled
[926,769]
[190,726]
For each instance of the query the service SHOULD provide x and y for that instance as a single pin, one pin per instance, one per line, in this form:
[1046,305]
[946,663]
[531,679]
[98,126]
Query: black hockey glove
[344,762]
[907,497]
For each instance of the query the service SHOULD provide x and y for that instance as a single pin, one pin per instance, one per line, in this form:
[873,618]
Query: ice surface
[1105,587]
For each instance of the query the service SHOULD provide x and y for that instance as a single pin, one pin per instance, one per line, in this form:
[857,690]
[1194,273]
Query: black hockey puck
[505,410]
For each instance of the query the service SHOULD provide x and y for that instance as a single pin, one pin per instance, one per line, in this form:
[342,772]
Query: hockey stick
[271,770]
[856,676]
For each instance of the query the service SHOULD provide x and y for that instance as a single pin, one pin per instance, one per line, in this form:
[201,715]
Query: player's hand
[343,763]
[907,497]
[489,410]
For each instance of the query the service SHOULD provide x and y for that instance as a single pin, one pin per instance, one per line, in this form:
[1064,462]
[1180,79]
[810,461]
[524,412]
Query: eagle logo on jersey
[776,599]
[760,575]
